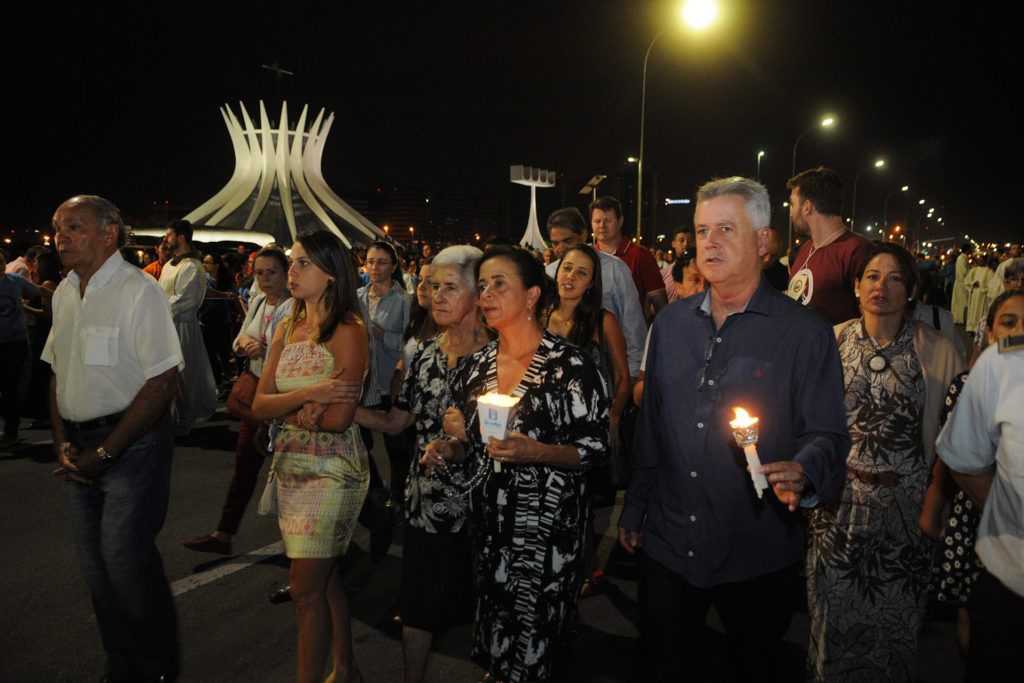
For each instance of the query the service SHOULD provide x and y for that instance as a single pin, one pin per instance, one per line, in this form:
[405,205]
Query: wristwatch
[107,458]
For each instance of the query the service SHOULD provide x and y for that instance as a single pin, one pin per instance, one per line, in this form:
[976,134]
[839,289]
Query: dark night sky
[448,95]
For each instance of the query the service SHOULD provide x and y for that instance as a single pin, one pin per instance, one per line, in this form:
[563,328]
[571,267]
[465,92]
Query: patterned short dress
[869,563]
[322,477]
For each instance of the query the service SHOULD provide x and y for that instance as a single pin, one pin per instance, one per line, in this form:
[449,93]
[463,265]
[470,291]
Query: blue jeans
[115,522]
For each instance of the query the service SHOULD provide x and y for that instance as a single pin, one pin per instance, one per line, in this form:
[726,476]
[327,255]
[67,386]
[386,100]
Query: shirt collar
[623,247]
[188,254]
[759,302]
[101,276]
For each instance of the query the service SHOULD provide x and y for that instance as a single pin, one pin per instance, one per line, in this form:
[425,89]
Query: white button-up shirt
[104,346]
[986,428]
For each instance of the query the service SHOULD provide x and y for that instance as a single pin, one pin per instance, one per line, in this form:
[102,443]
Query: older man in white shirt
[115,359]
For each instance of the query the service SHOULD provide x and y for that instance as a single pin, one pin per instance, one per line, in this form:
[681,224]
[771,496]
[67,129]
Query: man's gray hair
[464,258]
[758,206]
[106,213]
[1014,267]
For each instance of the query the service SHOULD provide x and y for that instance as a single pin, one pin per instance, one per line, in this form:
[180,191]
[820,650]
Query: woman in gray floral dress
[868,563]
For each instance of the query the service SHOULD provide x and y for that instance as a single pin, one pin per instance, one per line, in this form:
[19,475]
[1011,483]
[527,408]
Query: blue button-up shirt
[690,491]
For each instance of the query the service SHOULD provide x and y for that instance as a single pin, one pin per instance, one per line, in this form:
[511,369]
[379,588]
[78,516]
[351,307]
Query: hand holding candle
[744,429]
[496,412]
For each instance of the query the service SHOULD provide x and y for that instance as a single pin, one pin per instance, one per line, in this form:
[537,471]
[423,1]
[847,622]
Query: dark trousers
[115,522]
[248,462]
[12,362]
[997,631]
[755,613]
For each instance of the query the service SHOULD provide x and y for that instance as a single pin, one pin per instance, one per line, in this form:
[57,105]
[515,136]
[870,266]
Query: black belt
[102,422]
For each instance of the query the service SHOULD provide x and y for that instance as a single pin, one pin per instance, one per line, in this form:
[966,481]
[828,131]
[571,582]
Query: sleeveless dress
[322,477]
[869,563]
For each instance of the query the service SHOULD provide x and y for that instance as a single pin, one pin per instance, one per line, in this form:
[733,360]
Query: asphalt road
[230,631]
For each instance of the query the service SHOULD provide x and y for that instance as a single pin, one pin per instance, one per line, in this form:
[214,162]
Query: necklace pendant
[877,362]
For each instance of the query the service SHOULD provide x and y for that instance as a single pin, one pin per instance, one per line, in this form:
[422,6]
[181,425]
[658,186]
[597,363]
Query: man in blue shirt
[708,539]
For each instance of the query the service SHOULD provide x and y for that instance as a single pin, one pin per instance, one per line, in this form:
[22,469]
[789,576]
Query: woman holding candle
[868,563]
[436,557]
[322,477]
[529,517]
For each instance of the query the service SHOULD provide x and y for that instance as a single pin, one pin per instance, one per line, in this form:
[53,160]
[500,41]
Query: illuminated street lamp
[826,122]
[885,204]
[853,210]
[759,155]
[697,15]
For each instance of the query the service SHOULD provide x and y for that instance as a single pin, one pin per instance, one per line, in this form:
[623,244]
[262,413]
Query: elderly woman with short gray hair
[436,588]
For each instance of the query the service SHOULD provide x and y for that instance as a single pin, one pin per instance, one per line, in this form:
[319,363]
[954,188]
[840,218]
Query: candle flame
[743,419]
[495,399]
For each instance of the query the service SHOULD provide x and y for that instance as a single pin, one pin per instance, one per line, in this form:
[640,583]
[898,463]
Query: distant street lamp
[853,209]
[759,155]
[826,122]
[697,15]
[885,204]
[591,186]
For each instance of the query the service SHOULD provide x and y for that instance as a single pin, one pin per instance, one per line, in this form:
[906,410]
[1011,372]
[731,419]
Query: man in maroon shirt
[823,270]
[606,222]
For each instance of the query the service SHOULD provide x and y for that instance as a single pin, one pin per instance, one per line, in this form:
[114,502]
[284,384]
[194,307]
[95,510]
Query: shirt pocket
[100,345]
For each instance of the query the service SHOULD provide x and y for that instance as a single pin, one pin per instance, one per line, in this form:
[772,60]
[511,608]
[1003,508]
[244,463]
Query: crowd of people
[619,367]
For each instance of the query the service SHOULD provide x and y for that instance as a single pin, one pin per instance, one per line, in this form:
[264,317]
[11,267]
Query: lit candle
[496,412]
[744,428]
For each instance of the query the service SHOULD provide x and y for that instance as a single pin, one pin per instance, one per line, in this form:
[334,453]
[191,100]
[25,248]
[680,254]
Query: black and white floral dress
[433,504]
[529,520]
[959,565]
[868,564]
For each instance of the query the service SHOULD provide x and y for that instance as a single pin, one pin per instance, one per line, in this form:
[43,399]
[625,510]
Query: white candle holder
[496,412]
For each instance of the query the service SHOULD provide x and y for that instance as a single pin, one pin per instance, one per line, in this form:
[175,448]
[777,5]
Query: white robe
[960,292]
[977,298]
[185,286]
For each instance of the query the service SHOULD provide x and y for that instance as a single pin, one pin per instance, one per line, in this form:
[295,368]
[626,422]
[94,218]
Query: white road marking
[229,567]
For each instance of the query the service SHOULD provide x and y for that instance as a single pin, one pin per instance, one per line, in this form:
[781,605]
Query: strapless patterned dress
[322,477]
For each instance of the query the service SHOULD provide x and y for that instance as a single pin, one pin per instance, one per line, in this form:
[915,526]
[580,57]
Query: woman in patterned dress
[436,555]
[869,562]
[322,476]
[530,507]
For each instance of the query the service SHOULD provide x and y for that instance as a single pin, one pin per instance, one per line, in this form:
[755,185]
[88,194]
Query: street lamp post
[759,155]
[825,123]
[885,205]
[853,208]
[698,15]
